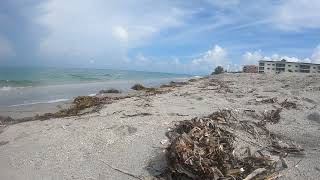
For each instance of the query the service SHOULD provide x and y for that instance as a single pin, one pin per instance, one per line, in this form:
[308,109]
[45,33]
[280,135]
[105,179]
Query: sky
[178,36]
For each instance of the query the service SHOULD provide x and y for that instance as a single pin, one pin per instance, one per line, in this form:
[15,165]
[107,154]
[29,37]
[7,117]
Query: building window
[314,67]
[268,68]
[261,64]
[289,65]
[296,66]
[305,71]
[304,66]
[268,64]
[296,71]
[290,70]
[272,68]
[272,64]
[261,68]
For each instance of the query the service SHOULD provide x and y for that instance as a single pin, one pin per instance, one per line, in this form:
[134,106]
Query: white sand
[80,147]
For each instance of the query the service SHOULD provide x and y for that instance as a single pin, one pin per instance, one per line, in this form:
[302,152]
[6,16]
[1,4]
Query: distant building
[250,69]
[287,67]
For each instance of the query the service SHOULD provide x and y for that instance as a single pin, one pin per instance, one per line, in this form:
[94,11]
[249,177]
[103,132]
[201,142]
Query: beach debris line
[174,84]
[149,91]
[202,149]
[114,91]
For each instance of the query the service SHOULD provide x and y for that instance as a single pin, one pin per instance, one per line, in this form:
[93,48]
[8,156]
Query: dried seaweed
[272,116]
[267,100]
[174,84]
[288,104]
[201,149]
[114,91]
[134,115]
[138,87]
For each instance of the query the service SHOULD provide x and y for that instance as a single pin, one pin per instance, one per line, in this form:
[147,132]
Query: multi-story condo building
[288,67]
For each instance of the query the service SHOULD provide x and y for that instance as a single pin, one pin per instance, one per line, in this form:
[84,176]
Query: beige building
[287,67]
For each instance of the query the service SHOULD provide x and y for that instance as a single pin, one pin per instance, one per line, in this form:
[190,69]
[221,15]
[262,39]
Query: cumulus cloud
[6,48]
[252,57]
[213,57]
[217,56]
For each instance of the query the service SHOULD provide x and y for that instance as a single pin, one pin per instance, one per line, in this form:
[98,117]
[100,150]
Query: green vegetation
[218,70]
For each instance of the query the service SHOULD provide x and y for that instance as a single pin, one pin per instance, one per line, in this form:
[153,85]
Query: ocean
[25,86]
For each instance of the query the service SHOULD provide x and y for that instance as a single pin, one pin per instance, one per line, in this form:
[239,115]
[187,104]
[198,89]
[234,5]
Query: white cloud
[6,48]
[296,15]
[104,28]
[252,57]
[121,33]
[214,57]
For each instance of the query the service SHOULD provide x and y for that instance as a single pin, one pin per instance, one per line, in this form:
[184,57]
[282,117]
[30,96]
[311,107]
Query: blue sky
[176,36]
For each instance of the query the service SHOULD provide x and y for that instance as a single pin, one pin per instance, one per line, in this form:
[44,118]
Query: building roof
[284,61]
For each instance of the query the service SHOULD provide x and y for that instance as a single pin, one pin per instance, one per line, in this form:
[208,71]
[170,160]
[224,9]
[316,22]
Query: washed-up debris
[267,100]
[201,149]
[174,84]
[288,104]
[122,171]
[272,116]
[3,143]
[79,103]
[134,115]
[163,141]
[282,147]
[5,119]
[114,91]
[82,102]
[193,80]
[138,87]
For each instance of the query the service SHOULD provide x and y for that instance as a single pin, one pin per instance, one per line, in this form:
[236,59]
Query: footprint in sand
[125,130]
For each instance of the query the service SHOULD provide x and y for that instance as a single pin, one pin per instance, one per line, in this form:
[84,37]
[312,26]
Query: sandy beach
[130,134]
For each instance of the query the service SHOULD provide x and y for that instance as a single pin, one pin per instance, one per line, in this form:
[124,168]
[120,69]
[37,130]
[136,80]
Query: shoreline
[31,110]
[130,133]
[50,106]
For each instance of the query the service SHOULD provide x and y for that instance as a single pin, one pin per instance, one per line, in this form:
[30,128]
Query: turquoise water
[25,86]
[26,77]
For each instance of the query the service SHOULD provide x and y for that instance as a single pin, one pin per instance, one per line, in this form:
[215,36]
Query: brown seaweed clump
[82,102]
[288,104]
[114,91]
[200,149]
[138,87]
[79,103]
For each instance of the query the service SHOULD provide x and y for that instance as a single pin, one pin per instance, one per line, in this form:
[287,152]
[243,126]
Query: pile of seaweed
[149,91]
[81,105]
[201,148]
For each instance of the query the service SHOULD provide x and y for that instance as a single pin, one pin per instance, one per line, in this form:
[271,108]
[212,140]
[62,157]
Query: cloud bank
[168,35]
